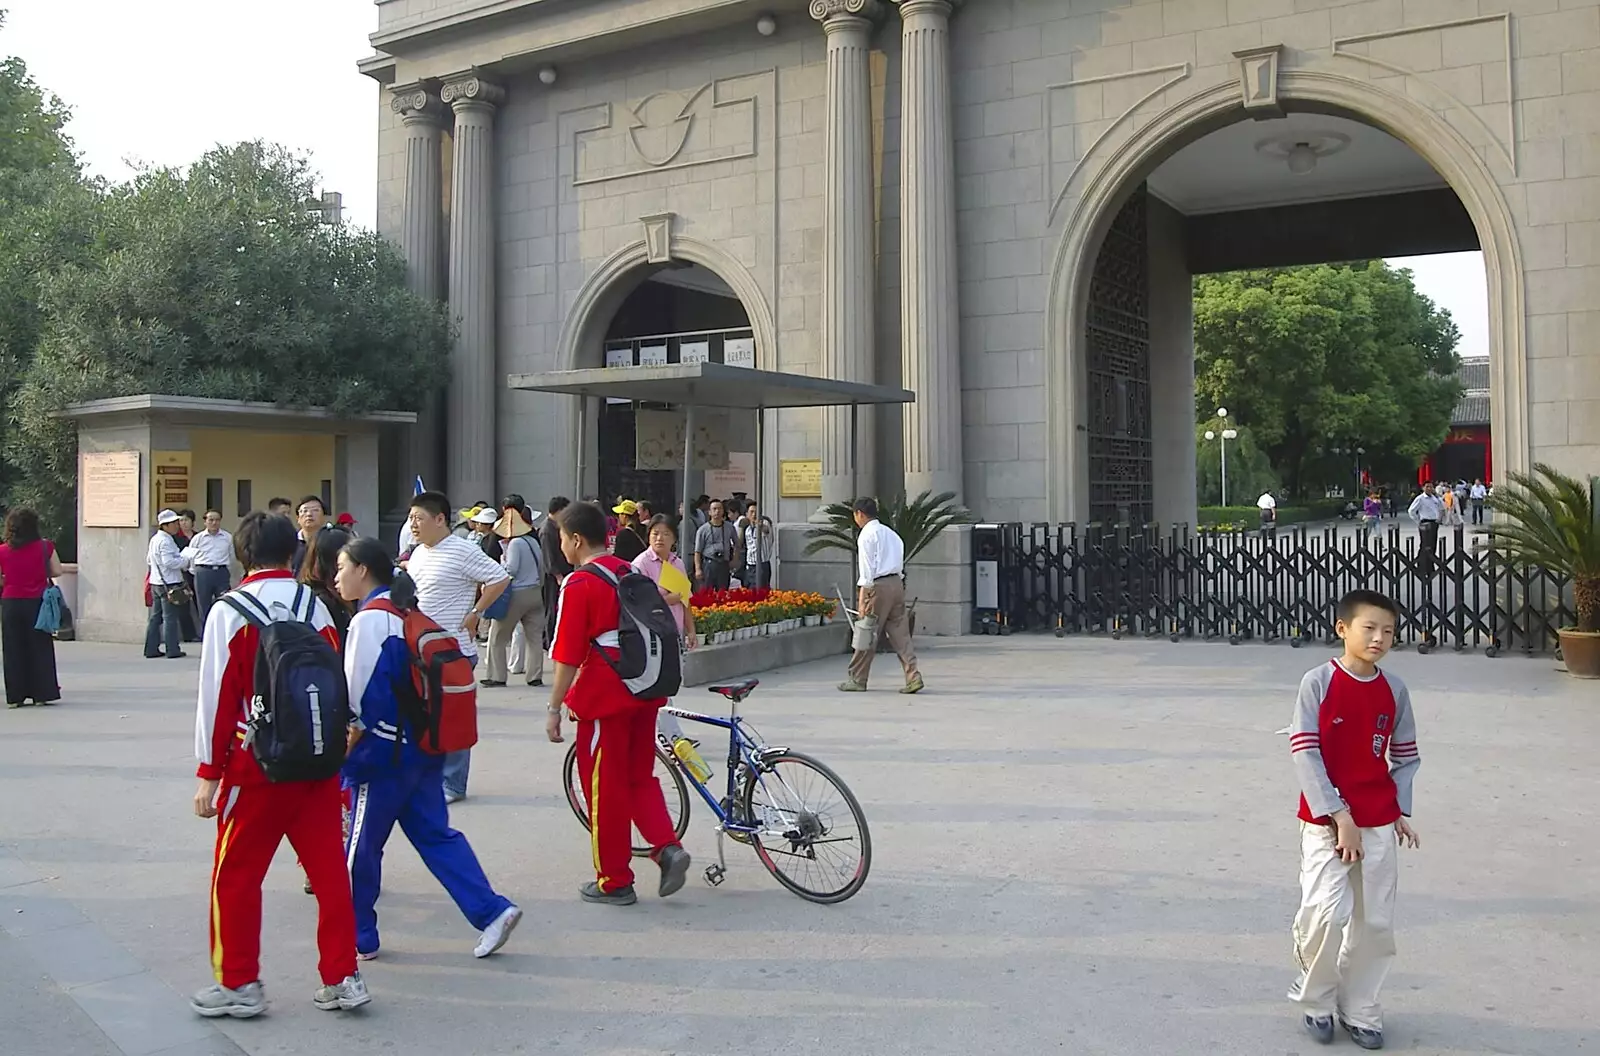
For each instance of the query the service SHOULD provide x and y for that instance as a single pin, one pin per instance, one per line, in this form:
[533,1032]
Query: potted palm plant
[1548,519]
[917,522]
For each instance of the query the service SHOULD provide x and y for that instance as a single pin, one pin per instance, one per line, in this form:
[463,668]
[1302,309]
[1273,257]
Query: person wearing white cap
[167,592]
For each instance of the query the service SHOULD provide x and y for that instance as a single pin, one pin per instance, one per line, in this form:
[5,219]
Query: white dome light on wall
[547,75]
[1301,151]
[766,25]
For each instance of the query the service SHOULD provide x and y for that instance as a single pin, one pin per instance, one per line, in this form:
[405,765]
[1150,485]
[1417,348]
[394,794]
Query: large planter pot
[1581,651]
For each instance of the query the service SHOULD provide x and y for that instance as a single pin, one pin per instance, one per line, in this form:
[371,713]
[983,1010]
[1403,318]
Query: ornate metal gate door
[1119,372]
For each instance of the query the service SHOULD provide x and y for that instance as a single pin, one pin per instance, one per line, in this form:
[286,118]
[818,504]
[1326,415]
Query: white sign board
[739,477]
[619,357]
[653,355]
[694,352]
[739,352]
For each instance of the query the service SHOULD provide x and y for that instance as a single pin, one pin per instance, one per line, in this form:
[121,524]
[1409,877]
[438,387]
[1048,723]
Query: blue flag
[417,487]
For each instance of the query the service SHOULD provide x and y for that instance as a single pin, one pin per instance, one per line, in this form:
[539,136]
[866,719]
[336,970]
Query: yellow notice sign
[800,478]
[108,483]
[169,480]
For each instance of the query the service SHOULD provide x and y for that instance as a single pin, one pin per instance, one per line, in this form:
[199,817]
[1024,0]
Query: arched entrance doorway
[1099,187]
[639,308]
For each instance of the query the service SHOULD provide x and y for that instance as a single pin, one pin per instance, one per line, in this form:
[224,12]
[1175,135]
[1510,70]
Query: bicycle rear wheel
[672,788]
[813,837]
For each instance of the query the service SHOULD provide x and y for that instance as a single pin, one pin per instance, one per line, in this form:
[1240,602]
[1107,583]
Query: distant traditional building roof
[1473,407]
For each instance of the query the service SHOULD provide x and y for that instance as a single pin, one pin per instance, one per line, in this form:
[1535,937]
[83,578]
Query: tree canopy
[1316,359]
[215,280]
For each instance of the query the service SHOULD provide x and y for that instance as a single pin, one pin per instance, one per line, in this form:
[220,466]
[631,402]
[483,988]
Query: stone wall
[939,579]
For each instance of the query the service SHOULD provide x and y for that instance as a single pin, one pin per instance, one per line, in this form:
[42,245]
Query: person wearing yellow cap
[630,541]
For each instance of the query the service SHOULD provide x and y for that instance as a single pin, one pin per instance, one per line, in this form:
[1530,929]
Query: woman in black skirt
[28,565]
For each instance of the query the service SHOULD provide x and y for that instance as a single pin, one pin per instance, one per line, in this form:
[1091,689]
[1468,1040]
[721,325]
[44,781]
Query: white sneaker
[496,934]
[452,797]
[352,993]
[217,1000]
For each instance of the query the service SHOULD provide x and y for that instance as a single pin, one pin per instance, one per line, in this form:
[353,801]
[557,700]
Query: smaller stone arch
[618,275]
[602,293]
[1133,159]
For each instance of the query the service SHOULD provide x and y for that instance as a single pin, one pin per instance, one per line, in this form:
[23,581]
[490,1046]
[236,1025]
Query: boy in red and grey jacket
[1354,745]
[254,815]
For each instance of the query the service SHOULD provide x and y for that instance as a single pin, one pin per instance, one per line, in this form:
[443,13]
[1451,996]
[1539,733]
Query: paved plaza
[1081,846]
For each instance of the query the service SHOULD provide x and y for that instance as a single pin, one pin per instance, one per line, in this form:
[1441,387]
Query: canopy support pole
[855,451]
[582,448]
[686,540]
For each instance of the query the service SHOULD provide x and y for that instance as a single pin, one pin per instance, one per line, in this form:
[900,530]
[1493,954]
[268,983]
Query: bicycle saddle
[737,691]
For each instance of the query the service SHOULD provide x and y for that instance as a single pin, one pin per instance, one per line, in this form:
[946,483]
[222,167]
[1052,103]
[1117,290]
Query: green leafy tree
[46,211]
[1249,470]
[216,281]
[1331,356]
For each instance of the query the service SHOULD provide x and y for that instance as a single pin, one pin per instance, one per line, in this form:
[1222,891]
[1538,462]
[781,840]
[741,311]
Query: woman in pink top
[28,564]
[655,561]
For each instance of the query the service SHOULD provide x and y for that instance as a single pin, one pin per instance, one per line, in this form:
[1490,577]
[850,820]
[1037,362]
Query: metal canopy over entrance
[709,385]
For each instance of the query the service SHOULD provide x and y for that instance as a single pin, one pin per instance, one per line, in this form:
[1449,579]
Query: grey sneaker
[352,993]
[852,686]
[622,896]
[1365,1037]
[674,862]
[217,1000]
[1320,1028]
[496,934]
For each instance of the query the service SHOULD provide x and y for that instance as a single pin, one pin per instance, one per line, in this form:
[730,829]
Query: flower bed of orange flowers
[732,610]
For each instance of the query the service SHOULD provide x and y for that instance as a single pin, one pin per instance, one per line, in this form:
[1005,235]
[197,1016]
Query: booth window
[244,498]
[214,493]
[327,495]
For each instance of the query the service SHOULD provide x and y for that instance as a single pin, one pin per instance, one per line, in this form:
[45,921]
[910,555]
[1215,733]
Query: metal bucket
[864,634]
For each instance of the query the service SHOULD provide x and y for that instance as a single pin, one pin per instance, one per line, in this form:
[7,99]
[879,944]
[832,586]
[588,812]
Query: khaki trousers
[527,610]
[886,599]
[1344,932]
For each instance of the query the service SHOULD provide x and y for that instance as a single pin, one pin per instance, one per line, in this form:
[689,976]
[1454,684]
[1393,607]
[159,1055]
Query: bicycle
[769,804]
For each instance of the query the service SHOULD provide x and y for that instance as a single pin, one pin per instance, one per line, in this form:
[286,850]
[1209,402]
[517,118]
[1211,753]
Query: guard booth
[140,454]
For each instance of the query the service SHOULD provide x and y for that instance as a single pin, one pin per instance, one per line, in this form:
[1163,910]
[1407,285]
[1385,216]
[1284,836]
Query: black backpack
[648,660]
[300,713]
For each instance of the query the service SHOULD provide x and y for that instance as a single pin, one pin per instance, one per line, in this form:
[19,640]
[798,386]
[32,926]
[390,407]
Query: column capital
[470,90]
[417,101]
[944,8]
[831,12]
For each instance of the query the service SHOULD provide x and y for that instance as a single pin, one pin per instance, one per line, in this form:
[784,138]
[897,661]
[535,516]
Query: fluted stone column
[470,405]
[929,324]
[422,216]
[849,275]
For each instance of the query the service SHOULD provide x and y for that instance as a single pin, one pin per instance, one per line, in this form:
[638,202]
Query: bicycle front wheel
[673,789]
[811,835]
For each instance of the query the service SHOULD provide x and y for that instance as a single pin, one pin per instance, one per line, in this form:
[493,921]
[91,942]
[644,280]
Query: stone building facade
[952,197]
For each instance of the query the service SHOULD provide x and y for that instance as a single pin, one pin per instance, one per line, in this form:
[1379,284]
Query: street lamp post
[1227,434]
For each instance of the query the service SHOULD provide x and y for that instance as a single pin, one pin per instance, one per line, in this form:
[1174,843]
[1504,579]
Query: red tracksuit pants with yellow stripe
[252,820]
[617,761]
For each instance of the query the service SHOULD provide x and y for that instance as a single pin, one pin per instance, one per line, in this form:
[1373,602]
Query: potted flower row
[775,612]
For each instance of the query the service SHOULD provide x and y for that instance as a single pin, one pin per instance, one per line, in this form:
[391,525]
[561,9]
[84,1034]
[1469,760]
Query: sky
[162,81]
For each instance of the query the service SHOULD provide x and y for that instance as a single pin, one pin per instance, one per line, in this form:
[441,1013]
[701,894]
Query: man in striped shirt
[1354,803]
[448,571]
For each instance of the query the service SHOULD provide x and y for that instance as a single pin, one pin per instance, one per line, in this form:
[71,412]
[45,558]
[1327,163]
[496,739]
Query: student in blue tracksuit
[407,786]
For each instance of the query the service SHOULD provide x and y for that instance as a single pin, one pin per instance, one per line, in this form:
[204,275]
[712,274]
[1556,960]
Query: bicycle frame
[742,751]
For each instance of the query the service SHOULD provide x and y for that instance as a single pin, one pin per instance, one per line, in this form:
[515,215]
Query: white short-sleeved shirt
[447,575]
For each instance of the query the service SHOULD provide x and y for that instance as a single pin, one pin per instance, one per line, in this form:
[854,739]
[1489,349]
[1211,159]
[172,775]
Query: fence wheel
[1296,642]
[1492,652]
[1424,648]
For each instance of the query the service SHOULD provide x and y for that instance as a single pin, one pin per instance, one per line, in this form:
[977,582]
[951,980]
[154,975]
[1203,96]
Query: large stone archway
[583,332]
[1098,186]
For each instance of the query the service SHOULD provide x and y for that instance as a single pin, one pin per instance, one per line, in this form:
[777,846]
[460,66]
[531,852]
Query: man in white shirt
[208,555]
[1269,509]
[881,592]
[1478,494]
[164,563]
[1427,509]
[448,570]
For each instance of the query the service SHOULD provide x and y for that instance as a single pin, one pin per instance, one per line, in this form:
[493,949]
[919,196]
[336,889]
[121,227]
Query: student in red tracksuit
[616,730]
[254,815]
